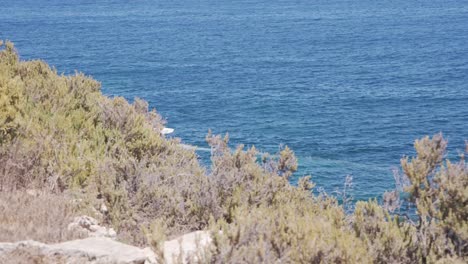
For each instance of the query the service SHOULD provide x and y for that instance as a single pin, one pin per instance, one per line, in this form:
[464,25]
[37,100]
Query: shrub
[59,132]
[438,190]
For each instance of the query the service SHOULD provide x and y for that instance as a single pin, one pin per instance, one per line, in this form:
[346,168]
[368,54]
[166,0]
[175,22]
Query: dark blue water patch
[347,84]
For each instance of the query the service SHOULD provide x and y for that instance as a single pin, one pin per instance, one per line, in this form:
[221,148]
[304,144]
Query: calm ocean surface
[347,84]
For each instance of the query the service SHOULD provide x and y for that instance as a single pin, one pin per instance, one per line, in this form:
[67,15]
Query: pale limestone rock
[103,209]
[90,227]
[32,192]
[100,250]
[186,247]
[96,250]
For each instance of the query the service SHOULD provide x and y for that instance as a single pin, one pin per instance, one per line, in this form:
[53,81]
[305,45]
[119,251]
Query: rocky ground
[100,246]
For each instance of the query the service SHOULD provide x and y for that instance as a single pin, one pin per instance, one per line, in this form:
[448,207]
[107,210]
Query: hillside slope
[81,151]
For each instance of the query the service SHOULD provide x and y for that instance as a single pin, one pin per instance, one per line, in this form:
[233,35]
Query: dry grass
[34,256]
[43,218]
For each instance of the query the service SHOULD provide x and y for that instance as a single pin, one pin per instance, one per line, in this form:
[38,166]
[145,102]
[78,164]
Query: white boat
[167,130]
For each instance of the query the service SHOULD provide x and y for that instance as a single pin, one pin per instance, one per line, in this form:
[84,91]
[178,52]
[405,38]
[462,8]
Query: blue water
[347,84]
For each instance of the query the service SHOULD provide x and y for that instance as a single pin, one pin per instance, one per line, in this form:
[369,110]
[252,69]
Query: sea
[347,84]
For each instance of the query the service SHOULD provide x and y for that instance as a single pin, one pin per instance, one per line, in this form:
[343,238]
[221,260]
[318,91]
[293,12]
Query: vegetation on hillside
[77,149]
